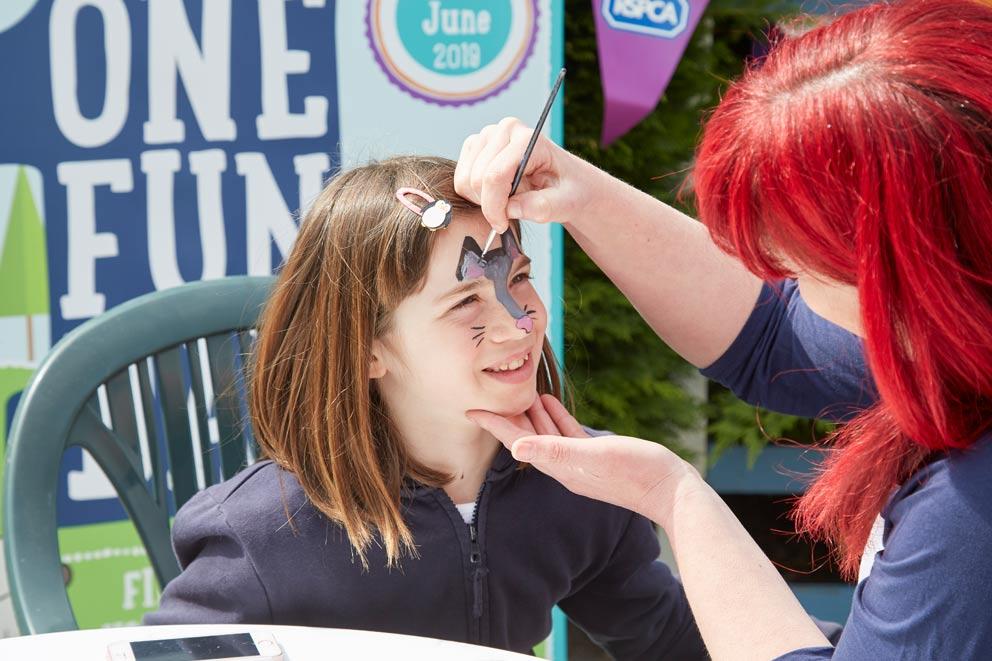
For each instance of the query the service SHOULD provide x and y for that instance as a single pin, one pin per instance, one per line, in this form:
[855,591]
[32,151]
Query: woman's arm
[695,297]
[743,607]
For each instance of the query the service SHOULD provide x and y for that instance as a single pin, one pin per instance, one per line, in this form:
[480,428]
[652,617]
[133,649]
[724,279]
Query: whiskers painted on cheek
[529,311]
[480,336]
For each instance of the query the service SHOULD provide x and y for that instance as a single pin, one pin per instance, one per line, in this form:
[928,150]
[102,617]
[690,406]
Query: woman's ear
[377,366]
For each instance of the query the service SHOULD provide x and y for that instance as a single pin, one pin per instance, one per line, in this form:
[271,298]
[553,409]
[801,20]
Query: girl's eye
[465,302]
[520,277]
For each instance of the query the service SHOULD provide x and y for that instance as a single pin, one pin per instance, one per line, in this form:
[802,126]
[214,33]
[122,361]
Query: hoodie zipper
[476,569]
[477,572]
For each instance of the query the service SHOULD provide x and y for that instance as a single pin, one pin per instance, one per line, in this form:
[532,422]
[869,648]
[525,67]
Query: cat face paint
[496,267]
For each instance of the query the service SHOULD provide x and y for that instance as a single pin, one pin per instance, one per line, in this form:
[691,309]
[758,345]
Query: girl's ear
[377,366]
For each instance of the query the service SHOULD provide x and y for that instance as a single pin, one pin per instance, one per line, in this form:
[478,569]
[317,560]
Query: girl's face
[472,337]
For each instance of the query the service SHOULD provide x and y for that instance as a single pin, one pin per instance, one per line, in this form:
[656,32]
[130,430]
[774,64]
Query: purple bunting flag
[640,43]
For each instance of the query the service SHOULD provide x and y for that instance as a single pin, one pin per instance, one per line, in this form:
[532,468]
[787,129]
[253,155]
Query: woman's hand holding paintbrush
[509,157]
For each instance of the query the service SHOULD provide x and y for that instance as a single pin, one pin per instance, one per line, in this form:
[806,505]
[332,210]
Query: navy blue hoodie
[533,544]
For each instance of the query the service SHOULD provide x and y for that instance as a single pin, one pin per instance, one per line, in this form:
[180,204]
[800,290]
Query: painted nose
[525,323]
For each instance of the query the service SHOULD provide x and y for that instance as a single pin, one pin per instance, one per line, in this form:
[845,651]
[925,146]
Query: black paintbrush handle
[537,131]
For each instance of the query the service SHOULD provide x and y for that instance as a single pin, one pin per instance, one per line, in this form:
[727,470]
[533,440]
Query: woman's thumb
[541,206]
[541,449]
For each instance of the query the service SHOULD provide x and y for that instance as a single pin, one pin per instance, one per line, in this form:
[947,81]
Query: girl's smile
[515,369]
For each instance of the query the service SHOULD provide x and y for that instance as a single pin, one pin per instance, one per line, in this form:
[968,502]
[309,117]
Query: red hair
[862,151]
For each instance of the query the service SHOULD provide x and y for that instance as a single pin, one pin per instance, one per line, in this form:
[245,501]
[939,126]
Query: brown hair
[314,409]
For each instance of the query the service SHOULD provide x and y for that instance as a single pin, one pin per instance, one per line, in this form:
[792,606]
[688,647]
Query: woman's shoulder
[945,509]
[927,591]
[953,480]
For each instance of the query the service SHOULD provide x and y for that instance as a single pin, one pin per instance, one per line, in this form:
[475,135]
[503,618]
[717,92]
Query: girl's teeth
[515,365]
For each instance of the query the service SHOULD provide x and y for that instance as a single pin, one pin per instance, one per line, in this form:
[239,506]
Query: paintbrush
[530,147]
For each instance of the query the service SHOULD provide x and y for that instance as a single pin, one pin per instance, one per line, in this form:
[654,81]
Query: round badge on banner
[452,52]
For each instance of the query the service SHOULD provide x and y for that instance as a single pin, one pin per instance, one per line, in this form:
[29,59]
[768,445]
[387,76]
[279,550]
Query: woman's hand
[742,605]
[556,185]
[549,418]
[629,472]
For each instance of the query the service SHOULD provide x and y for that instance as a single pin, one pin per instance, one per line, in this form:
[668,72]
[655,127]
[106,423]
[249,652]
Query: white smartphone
[222,647]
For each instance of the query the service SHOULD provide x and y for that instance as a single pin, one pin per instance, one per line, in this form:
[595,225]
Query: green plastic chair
[154,340]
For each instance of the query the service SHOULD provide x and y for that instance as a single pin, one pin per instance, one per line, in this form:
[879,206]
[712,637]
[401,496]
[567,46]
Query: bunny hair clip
[435,215]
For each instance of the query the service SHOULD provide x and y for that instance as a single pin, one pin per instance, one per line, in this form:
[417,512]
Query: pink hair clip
[435,215]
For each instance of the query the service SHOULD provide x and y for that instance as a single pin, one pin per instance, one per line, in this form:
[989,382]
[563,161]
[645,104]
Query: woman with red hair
[843,269]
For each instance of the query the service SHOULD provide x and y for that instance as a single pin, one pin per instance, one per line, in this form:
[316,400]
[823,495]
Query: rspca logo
[659,18]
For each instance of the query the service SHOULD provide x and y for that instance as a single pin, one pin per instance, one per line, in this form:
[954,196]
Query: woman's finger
[566,424]
[524,422]
[495,139]
[544,205]
[504,430]
[463,169]
[497,180]
[543,424]
[546,452]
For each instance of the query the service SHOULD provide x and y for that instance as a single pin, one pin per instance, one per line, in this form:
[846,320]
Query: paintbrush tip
[489,242]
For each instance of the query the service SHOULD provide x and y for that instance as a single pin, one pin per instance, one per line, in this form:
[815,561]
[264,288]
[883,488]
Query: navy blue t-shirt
[926,596]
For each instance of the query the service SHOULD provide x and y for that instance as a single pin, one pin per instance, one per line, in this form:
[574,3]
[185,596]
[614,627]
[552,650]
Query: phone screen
[199,648]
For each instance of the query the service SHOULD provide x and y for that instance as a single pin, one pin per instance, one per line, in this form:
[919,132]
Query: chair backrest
[137,367]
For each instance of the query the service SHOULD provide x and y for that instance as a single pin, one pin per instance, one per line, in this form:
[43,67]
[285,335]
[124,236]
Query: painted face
[472,337]
[496,267]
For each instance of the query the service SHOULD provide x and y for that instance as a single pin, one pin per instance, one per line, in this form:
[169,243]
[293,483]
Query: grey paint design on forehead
[495,267]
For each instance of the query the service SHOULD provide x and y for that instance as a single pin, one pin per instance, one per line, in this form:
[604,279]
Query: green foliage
[732,422]
[625,379]
[623,376]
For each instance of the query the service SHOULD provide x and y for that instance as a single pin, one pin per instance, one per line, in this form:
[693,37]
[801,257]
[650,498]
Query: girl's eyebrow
[463,288]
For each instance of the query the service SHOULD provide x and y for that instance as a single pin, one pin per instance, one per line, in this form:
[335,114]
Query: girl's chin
[508,406]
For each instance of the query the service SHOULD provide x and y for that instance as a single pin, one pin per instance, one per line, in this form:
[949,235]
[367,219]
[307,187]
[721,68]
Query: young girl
[380,505]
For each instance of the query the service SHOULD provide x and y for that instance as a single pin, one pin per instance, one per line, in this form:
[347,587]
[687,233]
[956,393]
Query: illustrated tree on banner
[23,302]
[24,262]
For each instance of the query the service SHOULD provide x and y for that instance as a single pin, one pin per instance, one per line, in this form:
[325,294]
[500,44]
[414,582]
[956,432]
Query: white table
[298,644]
